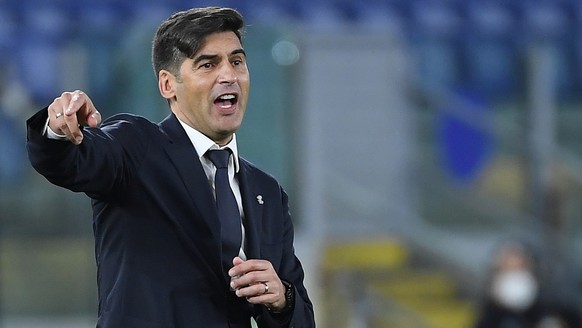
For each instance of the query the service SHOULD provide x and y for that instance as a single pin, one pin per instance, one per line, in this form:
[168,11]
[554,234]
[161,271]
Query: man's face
[212,90]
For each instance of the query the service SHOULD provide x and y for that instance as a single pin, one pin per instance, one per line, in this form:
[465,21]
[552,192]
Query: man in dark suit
[168,252]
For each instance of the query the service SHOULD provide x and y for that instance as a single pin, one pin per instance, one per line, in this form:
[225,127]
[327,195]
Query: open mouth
[226,101]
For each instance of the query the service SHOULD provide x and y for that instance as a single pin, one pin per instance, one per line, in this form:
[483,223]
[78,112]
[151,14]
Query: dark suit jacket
[157,234]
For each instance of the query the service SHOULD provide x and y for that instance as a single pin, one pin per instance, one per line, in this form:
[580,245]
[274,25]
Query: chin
[231,128]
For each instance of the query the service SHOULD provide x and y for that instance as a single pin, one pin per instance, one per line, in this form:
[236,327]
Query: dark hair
[182,35]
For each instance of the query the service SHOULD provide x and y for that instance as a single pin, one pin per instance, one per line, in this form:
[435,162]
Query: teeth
[227,97]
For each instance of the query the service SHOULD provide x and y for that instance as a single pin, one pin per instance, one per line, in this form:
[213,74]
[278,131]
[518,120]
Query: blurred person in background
[514,296]
[167,255]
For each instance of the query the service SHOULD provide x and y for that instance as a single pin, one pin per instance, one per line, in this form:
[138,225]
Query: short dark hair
[182,35]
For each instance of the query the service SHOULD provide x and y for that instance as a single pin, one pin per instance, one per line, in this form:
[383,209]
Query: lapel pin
[260,199]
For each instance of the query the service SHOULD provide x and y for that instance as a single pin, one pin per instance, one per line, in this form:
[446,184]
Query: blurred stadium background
[412,135]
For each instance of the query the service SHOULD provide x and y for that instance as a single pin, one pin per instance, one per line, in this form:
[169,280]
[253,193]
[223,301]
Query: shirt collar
[202,144]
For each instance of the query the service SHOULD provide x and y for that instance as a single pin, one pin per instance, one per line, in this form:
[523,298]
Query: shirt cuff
[50,134]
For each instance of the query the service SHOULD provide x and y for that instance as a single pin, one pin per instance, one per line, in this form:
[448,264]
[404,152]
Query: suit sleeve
[99,165]
[290,270]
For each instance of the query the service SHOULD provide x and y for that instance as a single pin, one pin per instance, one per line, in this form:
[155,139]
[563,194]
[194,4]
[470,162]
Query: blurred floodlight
[285,53]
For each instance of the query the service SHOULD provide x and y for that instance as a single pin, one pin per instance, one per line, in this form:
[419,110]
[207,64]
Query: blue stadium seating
[473,42]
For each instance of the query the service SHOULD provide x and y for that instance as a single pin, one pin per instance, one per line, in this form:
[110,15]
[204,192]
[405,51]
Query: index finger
[78,100]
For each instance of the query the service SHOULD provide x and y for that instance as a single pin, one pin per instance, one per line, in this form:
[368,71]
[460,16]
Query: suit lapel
[253,209]
[183,155]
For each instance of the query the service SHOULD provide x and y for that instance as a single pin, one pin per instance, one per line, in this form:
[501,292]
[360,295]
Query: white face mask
[516,289]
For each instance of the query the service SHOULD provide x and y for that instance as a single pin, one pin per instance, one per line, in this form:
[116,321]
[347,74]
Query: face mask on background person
[515,289]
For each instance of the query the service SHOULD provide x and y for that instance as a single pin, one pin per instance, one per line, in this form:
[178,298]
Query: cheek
[199,101]
[245,88]
[245,82]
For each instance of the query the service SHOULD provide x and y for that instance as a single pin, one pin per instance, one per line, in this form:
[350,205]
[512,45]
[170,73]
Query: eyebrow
[212,57]
[239,51]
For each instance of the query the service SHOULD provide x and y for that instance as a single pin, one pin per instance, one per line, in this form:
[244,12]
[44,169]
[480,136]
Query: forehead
[218,42]
[513,258]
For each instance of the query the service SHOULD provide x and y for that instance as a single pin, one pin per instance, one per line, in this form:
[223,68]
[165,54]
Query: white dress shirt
[202,144]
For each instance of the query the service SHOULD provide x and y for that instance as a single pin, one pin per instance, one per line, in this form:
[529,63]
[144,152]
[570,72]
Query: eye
[238,62]
[206,65]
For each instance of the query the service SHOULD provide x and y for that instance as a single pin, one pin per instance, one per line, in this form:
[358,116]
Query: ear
[166,83]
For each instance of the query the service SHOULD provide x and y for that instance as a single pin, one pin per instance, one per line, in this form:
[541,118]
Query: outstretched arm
[91,159]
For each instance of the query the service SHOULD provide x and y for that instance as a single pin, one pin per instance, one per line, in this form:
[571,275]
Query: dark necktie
[227,207]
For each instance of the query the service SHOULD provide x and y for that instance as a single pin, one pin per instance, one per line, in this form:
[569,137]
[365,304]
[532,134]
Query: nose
[227,74]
